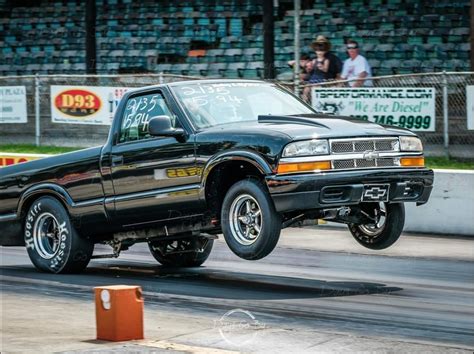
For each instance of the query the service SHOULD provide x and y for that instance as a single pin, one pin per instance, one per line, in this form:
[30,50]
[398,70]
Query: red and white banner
[8,158]
[85,104]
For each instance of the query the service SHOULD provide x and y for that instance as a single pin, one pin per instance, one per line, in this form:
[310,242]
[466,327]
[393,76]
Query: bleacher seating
[397,36]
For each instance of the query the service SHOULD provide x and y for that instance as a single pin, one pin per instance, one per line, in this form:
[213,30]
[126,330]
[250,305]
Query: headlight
[409,143]
[306,148]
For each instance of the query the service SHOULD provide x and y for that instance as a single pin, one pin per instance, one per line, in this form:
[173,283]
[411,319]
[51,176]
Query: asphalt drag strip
[295,299]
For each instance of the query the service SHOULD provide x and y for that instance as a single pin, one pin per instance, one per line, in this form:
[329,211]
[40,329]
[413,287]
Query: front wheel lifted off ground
[52,243]
[250,223]
[386,228]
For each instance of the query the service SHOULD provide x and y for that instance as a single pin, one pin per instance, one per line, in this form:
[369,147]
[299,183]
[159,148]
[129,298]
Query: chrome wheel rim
[246,219]
[46,235]
[378,226]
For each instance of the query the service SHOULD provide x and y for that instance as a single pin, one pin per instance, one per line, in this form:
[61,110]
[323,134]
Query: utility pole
[91,50]
[296,76]
[268,40]
[472,35]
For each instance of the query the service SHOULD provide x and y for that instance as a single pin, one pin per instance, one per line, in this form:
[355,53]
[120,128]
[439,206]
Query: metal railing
[450,135]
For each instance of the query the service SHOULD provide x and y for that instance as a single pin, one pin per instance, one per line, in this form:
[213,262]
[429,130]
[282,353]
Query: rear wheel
[250,223]
[181,253]
[52,243]
[386,228]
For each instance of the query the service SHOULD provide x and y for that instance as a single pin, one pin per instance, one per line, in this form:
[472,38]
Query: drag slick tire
[250,223]
[52,243]
[386,229]
[181,253]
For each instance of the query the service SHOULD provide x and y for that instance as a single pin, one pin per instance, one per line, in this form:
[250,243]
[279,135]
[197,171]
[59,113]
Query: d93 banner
[85,104]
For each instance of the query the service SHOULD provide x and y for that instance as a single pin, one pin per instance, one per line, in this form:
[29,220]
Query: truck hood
[304,127]
[318,126]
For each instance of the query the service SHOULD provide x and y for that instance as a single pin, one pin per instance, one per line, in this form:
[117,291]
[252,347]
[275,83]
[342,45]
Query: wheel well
[222,177]
[31,199]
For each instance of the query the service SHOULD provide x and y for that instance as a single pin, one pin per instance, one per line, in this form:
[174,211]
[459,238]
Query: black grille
[385,145]
[361,146]
[387,162]
[363,163]
[344,146]
[341,147]
[343,164]
[335,194]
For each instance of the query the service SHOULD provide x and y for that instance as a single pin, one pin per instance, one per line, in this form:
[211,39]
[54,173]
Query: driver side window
[137,114]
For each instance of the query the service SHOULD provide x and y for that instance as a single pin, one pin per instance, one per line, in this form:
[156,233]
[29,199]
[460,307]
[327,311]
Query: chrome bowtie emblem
[375,193]
[370,155]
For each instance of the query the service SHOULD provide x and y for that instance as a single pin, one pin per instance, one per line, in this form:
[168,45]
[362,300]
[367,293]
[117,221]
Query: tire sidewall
[394,223]
[269,233]
[58,262]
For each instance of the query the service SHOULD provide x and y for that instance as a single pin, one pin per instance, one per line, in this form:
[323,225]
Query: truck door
[154,178]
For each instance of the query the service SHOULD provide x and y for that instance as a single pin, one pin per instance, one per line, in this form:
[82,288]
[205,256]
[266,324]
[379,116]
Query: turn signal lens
[304,167]
[412,161]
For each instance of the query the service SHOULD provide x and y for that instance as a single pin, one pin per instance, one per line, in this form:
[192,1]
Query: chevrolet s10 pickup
[187,161]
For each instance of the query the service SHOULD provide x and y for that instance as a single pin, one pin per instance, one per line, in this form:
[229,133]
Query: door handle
[117,160]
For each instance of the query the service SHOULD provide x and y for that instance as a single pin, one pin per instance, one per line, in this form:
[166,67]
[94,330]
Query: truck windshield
[210,104]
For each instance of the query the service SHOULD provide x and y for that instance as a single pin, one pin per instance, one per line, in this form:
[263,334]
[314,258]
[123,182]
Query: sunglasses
[352,46]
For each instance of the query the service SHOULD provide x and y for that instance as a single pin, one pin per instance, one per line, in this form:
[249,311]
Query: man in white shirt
[356,67]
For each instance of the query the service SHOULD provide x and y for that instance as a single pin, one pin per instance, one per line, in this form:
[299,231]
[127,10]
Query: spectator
[326,65]
[356,67]
[306,66]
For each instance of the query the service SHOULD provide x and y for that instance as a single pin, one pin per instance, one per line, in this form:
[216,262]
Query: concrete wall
[450,209]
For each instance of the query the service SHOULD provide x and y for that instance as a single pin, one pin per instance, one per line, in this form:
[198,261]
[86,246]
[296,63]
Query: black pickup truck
[189,160]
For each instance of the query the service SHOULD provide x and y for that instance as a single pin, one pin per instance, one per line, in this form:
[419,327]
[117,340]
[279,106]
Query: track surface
[405,299]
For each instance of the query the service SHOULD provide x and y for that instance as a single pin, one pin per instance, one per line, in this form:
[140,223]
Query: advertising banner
[412,108]
[85,104]
[470,107]
[13,104]
[8,158]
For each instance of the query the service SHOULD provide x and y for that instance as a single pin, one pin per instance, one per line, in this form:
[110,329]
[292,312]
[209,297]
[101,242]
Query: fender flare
[50,189]
[238,155]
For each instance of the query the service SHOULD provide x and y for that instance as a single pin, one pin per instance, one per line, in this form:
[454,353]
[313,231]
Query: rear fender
[44,189]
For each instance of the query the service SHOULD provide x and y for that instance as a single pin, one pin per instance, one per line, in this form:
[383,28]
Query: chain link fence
[46,132]
[450,135]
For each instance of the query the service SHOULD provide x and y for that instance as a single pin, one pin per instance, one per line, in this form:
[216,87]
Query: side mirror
[161,126]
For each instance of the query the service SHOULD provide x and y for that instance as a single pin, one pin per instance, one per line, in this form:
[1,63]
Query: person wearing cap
[356,67]
[326,65]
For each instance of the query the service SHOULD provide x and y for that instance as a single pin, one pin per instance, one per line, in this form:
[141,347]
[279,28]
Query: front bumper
[333,189]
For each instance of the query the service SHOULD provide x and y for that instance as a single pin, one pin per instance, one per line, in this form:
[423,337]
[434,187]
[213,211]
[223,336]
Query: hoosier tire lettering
[52,243]
[29,243]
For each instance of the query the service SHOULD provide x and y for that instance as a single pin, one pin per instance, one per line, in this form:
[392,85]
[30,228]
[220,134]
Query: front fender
[238,155]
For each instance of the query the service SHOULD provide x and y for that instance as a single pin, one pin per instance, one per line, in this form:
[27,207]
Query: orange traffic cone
[119,312]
